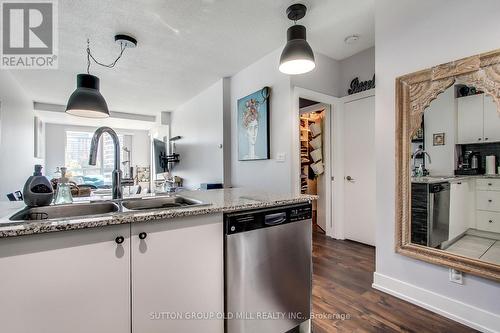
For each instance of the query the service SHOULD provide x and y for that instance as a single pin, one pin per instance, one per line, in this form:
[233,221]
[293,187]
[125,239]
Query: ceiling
[184,46]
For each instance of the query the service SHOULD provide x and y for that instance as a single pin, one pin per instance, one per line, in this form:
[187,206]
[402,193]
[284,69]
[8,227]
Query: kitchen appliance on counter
[470,164]
[268,269]
[430,221]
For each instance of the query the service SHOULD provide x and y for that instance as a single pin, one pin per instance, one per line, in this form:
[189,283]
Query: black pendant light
[86,100]
[297,56]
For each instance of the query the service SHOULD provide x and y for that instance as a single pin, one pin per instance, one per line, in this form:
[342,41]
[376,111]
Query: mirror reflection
[455,190]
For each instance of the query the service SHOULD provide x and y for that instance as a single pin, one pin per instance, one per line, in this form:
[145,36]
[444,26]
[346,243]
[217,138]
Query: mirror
[448,175]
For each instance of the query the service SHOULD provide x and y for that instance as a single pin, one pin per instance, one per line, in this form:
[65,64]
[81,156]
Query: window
[77,158]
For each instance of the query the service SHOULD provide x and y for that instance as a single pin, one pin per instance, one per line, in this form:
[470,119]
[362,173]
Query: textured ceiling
[184,45]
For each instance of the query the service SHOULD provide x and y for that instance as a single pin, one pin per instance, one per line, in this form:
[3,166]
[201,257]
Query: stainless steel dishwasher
[268,270]
[438,214]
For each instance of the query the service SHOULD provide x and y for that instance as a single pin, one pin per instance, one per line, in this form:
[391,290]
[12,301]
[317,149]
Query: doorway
[312,122]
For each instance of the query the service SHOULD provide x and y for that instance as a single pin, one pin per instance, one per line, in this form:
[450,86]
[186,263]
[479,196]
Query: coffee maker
[470,164]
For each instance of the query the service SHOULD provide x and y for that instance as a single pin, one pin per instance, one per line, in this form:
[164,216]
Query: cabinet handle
[143,235]
[485,139]
[490,221]
[459,183]
[489,184]
[478,139]
[489,200]
[119,239]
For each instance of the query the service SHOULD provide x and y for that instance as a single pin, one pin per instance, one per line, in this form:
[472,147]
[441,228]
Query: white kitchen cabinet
[488,200]
[488,204]
[491,120]
[470,119]
[462,210]
[177,270]
[487,184]
[488,221]
[73,281]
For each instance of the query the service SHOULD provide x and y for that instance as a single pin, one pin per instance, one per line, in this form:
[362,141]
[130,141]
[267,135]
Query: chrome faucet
[419,151]
[116,175]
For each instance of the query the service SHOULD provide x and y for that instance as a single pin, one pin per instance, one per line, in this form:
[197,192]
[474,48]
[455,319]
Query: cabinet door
[491,120]
[177,270]
[470,119]
[462,211]
[73,281]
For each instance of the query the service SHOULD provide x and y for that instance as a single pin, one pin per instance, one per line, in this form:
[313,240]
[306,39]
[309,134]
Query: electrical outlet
[456,276]
[280,157]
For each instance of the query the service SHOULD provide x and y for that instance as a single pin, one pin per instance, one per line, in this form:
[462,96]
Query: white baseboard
[471,316]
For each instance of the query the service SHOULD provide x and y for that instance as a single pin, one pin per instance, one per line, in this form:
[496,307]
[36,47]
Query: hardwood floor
[343,274]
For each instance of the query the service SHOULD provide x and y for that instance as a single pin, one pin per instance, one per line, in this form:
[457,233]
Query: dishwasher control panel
[265,218]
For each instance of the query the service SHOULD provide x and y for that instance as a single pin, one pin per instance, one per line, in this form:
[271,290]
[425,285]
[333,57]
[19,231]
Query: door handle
[349,178]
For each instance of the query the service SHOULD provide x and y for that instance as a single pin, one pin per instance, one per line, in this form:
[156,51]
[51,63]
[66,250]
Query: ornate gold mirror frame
[414,93]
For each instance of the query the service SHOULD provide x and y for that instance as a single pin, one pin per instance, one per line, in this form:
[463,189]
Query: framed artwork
[438,139]
[253,126]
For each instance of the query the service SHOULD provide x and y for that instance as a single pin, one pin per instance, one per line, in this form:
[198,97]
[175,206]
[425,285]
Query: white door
[72,281]
[470,119]
[178,270]
[491,120]
[359,166]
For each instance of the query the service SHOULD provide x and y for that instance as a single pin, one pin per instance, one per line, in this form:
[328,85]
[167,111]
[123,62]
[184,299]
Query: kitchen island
[126,271]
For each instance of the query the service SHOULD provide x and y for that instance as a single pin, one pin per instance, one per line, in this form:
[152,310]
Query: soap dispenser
[38,190]
[63,193]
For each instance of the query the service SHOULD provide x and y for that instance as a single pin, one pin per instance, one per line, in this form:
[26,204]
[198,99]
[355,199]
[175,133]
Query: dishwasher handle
[275,219]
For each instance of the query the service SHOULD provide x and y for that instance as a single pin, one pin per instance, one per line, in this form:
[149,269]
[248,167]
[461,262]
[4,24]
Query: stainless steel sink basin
[62,211]
[161,202]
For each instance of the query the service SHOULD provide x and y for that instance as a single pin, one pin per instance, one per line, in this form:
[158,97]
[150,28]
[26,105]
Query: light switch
[280,157]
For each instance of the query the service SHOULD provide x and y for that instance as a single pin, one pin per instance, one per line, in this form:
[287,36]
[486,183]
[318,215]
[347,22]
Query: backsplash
[484,149]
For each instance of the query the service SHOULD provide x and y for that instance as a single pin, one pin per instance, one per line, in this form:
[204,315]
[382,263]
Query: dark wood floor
[343,274]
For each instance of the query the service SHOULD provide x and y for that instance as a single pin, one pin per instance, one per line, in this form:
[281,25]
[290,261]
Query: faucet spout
[117,173]
[418,152]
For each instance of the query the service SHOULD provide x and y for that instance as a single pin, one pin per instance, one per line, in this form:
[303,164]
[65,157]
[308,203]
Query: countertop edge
[34,228]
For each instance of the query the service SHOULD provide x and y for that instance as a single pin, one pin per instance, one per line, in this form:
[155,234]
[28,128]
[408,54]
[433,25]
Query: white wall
[269,175]
[200,123]
[324,78]
[55,140]
[440,117]
[360,65]
[16,145]
[412,35]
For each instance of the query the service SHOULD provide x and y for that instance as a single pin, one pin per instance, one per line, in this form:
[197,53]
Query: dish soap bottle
[38,190]
[63,193]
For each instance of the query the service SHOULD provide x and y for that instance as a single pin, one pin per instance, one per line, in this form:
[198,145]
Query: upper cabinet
[491,120]
[470,119]
[478,120]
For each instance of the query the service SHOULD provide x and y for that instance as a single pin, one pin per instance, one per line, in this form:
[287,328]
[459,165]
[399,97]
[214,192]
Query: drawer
[488,184]
[488,221]
[488,200]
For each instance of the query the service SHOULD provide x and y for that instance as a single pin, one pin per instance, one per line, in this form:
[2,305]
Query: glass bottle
[63,193]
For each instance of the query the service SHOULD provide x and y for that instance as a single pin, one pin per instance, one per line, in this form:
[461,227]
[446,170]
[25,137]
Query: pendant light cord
[111,65]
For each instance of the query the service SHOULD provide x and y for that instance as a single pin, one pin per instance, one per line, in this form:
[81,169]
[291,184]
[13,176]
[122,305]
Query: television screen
[160,154]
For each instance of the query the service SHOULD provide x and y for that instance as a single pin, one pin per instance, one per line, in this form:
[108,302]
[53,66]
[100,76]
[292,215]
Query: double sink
[104,207]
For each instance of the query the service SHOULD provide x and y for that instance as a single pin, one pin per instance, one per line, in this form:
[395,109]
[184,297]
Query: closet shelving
[308,182]
[305,159]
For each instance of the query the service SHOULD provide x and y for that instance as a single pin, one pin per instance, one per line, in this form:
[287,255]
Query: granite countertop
[219,201]
[450,179]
